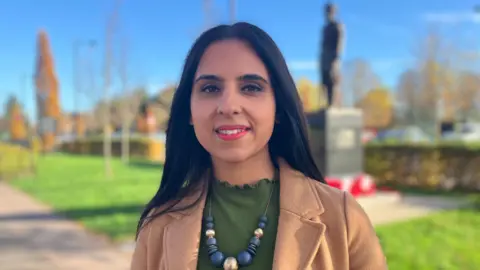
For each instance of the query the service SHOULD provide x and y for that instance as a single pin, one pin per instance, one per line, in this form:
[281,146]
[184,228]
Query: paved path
[31,238]
[391,207]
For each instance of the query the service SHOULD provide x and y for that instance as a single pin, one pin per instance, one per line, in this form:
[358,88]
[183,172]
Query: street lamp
[76,46]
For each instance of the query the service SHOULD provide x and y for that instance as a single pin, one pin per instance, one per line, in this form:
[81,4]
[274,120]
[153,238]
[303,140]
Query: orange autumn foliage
[48,141]
[146,122]
[18,128]
[45,78]
[46,85]
[80,125]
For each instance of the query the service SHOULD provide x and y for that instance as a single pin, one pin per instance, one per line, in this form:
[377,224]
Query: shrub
[17,159]
[140,147]
[431,166]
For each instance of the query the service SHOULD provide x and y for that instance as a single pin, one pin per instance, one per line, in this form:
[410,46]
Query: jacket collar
[300,230]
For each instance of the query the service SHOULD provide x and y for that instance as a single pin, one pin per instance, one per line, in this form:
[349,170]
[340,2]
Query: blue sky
[159,34]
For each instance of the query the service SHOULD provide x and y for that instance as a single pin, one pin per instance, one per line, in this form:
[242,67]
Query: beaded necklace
[245,257]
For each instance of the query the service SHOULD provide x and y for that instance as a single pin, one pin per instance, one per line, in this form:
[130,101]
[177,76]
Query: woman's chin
[232,156]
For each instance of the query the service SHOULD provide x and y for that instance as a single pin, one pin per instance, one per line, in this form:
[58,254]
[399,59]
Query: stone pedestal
[336,141]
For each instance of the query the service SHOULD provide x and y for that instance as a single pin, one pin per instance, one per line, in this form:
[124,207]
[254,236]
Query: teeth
[230,131]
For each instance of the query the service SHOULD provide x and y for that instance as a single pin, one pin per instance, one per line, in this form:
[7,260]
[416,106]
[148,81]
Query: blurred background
[85,94]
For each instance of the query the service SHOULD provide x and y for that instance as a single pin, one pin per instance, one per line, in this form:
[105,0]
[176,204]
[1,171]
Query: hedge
[140,147]
[427,166]
[16,160]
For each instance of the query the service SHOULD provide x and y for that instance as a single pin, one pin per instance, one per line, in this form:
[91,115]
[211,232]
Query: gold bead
[258,233]
[210,233]
[230,264]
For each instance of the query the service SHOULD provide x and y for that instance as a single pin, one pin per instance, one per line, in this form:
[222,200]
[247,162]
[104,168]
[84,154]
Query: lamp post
[76,46]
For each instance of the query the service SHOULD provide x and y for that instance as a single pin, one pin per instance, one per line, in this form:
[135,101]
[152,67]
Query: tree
[359,78]
[407,92]
[9,105]
[159,108]
[46,84]
[17,123]
[468,94]
[129,105]
[377,107]
[312,98]
[107,136]
[80,124]
[436,65]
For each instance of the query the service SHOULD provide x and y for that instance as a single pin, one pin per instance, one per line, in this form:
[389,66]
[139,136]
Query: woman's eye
[210,89]
[252,88]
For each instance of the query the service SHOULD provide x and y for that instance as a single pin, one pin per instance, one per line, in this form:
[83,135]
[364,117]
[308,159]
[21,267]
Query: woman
[239,172]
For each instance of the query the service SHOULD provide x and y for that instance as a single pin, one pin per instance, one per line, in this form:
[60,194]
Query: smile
[230,133]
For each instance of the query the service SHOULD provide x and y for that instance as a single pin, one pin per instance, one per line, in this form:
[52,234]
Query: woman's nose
[229,102]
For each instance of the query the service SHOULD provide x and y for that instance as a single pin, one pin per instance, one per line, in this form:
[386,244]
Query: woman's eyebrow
[252,77]
[208,77]
[245,77]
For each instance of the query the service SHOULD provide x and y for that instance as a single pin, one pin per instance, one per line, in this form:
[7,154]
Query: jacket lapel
[299,235]
[300,230]
[182,235]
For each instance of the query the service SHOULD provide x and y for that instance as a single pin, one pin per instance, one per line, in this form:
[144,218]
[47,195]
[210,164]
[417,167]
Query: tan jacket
[319,227]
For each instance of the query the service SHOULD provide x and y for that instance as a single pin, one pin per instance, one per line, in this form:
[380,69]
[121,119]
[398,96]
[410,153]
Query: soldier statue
[332,45]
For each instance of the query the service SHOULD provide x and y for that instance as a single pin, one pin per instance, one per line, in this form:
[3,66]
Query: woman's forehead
[230,58]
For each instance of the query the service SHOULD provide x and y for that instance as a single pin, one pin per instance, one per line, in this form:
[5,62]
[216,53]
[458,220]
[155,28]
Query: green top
[236,211]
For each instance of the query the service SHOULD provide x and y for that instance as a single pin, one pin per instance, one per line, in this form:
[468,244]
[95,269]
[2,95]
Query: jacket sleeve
[364,247]
[139,259]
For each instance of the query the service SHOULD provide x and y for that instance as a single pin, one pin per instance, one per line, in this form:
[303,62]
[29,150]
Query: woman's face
[232,102]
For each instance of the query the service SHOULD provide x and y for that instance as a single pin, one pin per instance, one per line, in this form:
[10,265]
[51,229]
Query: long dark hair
[186,161]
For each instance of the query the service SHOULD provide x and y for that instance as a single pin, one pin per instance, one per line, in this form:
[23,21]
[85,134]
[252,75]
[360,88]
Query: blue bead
[209,219]
[263,219]
[209,225]
[255,241]
[252,251]
[217,258]
[211,241]
[244,258]
[212,249]
[262,225]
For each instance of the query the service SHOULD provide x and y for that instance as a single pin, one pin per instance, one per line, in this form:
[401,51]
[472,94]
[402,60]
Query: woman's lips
[231,133]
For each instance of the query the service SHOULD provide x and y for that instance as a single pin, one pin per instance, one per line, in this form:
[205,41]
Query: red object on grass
[359,185]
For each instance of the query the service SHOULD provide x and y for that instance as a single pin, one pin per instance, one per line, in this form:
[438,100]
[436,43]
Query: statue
[332,45]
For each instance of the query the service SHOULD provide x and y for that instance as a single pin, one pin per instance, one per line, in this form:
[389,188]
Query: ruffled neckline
[246,186]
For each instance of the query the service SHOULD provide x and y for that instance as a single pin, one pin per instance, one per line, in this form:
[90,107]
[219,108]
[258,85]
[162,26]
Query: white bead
[258,233]
[230,264]
[210,233]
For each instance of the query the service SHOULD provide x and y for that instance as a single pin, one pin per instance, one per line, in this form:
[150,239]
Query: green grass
[447,240]
[76,187]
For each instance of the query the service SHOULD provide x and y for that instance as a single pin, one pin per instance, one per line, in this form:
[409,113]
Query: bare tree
[129,105]
[359,79]
[31,134]
[233,10]
[209,14]
[437,64]
[107,137]
[468,94]
[407,92]
[83,90]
